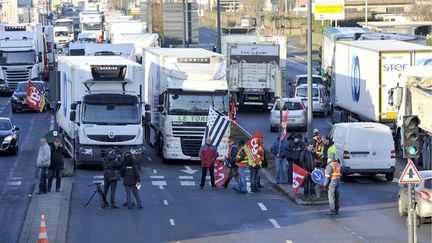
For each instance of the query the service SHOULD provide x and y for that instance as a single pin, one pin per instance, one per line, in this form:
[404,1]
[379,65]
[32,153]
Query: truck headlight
[172,146]
[136,150]
[8,139]
[86,151]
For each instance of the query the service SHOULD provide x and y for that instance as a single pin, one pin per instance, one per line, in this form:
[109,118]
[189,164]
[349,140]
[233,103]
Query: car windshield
[22,87]
[196,103]
[111,114]
[302,92]
[5,125]
[92,26]
[292,106]
[17,57]
[428,183]
[61,33]
[315,80]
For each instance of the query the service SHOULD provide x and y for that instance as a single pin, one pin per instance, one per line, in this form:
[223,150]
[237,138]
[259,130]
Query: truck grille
[15,76]
[191,135]
[106,138]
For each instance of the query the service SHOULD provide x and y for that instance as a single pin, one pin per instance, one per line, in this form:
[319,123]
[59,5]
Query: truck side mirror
[73,106]
[72,116]
[147,107]
[395,96]
[160,108]
[40,56]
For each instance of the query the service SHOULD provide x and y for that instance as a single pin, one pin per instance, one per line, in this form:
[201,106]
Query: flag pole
[244,130]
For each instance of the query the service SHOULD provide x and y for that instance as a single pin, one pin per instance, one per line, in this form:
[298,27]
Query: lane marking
[274,223]
[263,208]
[52,123]
[157,177]
[172,222]
[14,183]
[148,158]
[289,241]
[187,183]
[155,171]
[165,202]
[186,177]
[98,181]
[161,184]
[15,178]
[98,177]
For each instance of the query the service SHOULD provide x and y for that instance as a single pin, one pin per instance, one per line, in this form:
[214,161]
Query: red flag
[299,175]
[284,119]
[220,173]
[232,114]
[254,148]
[34,97]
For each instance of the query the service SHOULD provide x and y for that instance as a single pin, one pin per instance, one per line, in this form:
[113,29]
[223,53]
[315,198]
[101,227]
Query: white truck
[69,24]
[124,50]
[124,27]
[364,72]
[253,70]
[61,37]
[23,55]
[181,84]
[92,22]
[100,106]
[411,96]
[139,41]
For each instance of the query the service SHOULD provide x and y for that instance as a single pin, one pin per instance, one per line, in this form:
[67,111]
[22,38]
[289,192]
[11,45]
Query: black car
[18,97]
[8,136]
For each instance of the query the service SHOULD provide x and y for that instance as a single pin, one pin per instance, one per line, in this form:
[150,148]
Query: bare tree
[421,10]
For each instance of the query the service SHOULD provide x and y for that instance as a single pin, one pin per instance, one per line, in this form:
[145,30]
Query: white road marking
[149,158]
[14,183]
[263,208]
[16,178]
[172,222]
[187,183]
[288,241]
[165,202]
[52,123]
[157,177]
[98,177]
[274,223]
[155,171]
[98,181]
[186,177]
[161,184]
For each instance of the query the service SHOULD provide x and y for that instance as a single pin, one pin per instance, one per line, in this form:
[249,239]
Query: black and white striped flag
[216,126]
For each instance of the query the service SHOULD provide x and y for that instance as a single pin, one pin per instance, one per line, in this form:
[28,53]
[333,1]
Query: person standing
[332,182]
[329,148]
[43,161]
[111,168]
[208,156]
[233,168]
[319,146]
[307,162]
[131,180]
[279,149]
[254,168]
[294,149]
[57,164]
[242,163]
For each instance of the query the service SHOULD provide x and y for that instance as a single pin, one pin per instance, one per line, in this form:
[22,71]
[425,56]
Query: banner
[232,114]
[34,97]
[299,175]
[220,173]
[254,148]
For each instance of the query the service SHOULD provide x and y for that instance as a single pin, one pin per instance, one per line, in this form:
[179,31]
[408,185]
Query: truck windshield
[92,26]
[17,57]
[61,34]
[196,104]
[111,114]
[69,25]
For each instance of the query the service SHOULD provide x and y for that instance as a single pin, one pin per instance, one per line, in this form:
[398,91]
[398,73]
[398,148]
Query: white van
[365,148]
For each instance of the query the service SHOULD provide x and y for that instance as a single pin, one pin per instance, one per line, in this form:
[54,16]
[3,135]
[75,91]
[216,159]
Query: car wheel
[16,150]
[389,176]
[402,212]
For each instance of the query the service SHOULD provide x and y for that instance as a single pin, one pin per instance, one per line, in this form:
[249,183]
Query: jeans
[333,196]
[107,185]
[204,174]
[134,190]
[233,172]
[281,173]
[254,177]
[43,179]
[57,174]
[242,187]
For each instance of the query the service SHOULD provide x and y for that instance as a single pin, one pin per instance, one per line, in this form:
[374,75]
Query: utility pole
[309,72]
[184,24]
[366,12]
[219,44]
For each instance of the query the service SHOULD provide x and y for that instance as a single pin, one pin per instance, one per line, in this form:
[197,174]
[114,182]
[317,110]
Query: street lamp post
[219,34]
[309,72]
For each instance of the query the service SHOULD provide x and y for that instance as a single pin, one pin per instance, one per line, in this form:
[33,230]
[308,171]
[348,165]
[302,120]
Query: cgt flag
[254,148]
[216,127]
[34,97]
[299,175]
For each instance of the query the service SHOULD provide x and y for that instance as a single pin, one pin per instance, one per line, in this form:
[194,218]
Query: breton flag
[216,127]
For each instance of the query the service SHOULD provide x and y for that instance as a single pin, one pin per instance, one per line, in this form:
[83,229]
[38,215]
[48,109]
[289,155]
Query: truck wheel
[389,176]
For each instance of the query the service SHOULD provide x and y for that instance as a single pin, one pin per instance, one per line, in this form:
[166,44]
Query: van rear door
[357,149]
[381,146]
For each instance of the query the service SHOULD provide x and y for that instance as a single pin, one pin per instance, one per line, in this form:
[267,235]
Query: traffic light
[411,145]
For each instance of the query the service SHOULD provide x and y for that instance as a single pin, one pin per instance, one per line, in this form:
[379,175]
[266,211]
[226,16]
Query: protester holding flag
[255,151]
[242,163]
[230,162]
[279,149]
[307,162]
[294,149]
[208,156]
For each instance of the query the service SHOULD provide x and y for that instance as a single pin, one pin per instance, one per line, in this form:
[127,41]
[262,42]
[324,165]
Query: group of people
[319,153]
[237,163]
[50,161]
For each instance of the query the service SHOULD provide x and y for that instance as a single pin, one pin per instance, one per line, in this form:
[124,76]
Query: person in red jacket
[208,156]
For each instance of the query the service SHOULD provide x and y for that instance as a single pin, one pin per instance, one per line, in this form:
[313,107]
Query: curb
[57,218]
[286,190]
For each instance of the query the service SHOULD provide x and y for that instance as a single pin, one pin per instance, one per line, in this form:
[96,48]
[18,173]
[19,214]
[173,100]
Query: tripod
[101,195]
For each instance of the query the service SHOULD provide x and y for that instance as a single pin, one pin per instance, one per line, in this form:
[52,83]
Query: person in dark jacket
[57,164]
[208,155]
[233,168]
[131,180]
[295,147]
[307,162]
[112,168]
[279,149]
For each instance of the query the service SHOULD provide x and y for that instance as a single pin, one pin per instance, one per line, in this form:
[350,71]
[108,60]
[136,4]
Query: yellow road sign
[329,9]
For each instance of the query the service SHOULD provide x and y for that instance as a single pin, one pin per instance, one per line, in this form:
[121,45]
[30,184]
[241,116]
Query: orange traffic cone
[43,236]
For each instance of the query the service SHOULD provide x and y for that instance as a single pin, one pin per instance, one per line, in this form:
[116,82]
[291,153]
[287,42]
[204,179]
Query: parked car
[302,79]
[423,197]
[297,117]
[9,136]
[320,96]
[364,148]
[18,97]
